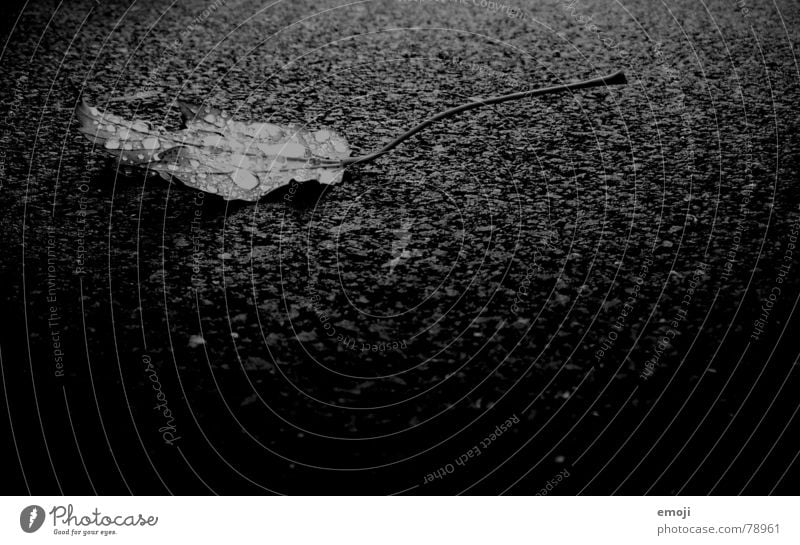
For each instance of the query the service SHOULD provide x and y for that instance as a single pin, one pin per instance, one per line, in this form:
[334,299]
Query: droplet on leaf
[285,150]
[328,176]
[244,179]
[150,142]
[238,160]
[212,140]
[112,144]
[260,130]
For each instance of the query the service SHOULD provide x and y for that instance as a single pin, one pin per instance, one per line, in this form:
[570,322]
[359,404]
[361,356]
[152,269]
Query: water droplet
[286,150]
[150,143]
[140,126]
[94,111]
[210,118]
[112,144]
[140,157]
[194,163]
[239,160]
[212,140]
[322,135]
[244,179]
[123,133]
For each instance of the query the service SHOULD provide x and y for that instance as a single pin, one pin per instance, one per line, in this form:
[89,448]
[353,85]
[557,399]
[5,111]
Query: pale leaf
[218,154]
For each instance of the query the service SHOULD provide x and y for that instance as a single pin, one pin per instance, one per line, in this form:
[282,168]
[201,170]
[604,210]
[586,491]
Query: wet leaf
[218,154]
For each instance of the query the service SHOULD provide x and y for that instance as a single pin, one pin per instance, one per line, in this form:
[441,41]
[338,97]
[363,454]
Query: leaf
[218,154]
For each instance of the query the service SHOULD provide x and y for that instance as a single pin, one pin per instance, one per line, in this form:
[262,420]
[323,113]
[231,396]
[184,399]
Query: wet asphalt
[599,284]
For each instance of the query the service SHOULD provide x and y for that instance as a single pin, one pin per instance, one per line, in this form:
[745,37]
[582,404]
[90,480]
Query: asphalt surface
[583,291]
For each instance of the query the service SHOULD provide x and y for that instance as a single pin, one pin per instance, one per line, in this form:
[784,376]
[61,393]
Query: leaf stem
[617,78]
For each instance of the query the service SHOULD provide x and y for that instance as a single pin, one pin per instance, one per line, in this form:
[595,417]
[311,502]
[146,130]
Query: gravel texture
[593,267]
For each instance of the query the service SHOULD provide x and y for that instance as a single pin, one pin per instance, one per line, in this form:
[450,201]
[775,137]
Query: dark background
[526,226]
